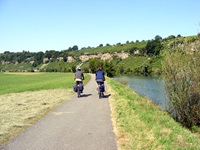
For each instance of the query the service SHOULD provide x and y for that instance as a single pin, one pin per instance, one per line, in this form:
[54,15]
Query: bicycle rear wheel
[78,92]
[99,95]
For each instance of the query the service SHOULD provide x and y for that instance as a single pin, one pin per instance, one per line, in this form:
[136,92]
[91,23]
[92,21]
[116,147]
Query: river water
[151,87]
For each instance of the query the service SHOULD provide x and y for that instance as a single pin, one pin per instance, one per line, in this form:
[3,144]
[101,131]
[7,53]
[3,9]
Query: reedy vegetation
[181,67]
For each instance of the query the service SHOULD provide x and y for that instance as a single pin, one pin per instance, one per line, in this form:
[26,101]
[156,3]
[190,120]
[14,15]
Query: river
[151,87]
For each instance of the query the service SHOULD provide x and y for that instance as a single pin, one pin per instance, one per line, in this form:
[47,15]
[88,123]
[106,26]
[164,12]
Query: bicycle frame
[78,88]
[100,92]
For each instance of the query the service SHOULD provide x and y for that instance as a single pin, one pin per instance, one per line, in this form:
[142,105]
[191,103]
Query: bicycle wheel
[99,95]
[99,91]
[78,92]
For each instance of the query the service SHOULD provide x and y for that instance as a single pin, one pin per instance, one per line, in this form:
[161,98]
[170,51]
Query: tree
[6,52]
[88,47]
[119,44]
[48,54]
[73,68]
[171,37]
[75,47]
[92,65]
[83,48]
[132,50]
[39,57]
[153,47]
[109,68]
[65,57]
[69,49]
[100,45]
[157,38]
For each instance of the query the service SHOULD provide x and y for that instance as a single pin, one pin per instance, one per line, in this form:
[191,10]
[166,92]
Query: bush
[123,81]
[85,69]
[182,82]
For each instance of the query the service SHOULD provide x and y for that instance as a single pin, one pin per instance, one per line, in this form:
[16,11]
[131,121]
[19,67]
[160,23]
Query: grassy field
[20,82]
[26,97]
[13,67]
[139,124]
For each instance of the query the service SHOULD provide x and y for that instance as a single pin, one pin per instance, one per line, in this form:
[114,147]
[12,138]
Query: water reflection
[151,87]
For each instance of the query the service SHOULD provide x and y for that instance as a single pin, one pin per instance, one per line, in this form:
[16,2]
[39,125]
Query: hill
[128,58]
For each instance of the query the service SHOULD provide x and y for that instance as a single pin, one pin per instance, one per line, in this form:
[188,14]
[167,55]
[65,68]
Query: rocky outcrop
[60,58]
[70,59]
[84,58]
[5,62]
[121,55]
[105,56]
[45,60]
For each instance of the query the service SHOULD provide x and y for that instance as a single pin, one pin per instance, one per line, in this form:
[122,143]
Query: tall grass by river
[142,125]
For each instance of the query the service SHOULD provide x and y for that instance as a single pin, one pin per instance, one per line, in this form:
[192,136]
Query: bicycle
[79,88]
[100,89]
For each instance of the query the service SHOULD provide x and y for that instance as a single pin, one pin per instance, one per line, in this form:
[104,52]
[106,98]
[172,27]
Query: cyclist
[100,77]
[79,77]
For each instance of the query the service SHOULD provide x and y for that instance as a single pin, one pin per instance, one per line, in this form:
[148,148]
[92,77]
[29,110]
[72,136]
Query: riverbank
[139,124]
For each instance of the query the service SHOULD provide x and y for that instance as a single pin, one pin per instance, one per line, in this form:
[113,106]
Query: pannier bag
[75,87]
[102,88]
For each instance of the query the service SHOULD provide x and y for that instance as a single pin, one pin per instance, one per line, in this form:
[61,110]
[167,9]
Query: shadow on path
[106,96]
[85,95]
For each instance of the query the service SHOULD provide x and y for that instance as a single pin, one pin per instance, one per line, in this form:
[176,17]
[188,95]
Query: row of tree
[150,48]
[153,48]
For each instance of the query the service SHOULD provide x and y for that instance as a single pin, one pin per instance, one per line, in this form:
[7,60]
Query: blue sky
[40,25]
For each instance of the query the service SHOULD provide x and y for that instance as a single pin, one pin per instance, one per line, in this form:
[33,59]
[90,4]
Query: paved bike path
[78,124]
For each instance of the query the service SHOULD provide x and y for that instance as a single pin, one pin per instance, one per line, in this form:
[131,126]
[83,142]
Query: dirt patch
[20,110]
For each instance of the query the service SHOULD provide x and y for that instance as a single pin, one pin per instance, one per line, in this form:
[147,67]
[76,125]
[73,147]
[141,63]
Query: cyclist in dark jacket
[100,76]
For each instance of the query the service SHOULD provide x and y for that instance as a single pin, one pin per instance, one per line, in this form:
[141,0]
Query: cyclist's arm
[104,77]
[83,77]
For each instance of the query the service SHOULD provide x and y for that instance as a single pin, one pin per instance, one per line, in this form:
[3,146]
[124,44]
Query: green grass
[14,83]
[136,63]
[144,125]
[110,49]
[27,97]
[18,67]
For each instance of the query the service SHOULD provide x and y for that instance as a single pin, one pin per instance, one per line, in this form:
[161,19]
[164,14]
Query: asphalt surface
[79,124]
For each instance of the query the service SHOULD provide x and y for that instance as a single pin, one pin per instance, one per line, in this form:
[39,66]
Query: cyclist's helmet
[99,68]
[79,69]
